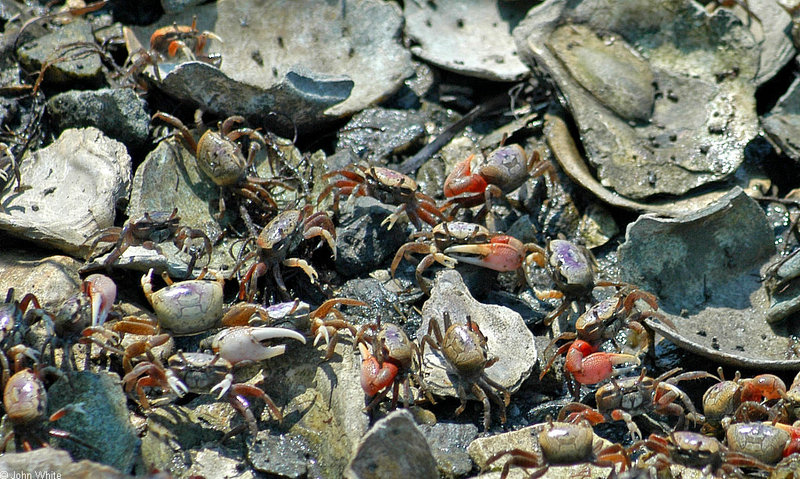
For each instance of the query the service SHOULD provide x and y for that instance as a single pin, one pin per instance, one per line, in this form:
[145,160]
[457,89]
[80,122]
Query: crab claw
[102,292]
[246,343]
[596,367]
[176,384]
[502,253]
[223,386]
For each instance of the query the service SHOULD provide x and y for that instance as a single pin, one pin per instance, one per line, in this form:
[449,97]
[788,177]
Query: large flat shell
[705,269]
[471,37]
[682,133]
[313,59]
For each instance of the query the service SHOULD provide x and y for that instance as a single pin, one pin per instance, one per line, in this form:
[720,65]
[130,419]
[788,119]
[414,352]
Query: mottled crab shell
[188,307]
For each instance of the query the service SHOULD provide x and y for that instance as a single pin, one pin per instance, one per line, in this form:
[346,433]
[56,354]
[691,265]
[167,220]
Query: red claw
[461,180]
[590,367]
[375,376]
[762,387]
[502,253]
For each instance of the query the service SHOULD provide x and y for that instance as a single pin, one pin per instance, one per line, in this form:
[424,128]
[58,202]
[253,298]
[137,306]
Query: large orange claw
[502,253]
[589,367]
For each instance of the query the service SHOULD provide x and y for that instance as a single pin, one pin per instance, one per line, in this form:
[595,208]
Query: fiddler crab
[14,325]
[696,450]
[388,186]
[498,252]
[86,309]
[25,403]
[625,398]
[563,444]
[198,373]
[585,363]
[739,399]
[572,268]
[321,326]
[279,238]
[167,42]
[476,180]
[221,159]
[387,362]
[148,231]
[767,442]
[464,348]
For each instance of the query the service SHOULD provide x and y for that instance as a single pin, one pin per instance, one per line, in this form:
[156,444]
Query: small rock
[49,462]
[393,437]
[507,336]
[279,455]
[105,423]
[118,112]
[597,226]
[376,133]
[782,123]
[362,242]
[449,443]
[52,279]
[218,461]
[75,185]
[85,67]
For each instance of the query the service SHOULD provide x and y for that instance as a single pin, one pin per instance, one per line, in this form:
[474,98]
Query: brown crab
[222,160]
[464,348]
[148,231]
[277,240]
[388,186]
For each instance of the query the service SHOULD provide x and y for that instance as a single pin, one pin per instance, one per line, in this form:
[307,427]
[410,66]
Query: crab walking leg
[246,343]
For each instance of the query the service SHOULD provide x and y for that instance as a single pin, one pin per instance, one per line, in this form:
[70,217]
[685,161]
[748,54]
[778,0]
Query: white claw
[322,332]
[246,343]
[224,386]
[176,384]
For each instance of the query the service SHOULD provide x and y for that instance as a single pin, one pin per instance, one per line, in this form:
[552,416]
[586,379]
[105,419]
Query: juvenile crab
[464,348]
[494,251]
[573,269]
[25,403]
[148,231]
[198,373]
[623,399]
[280,237]
[696,450]
[564,444]
[166,42]
[739,399]
[476,181]
[388,186]
[222,160]
[389,363]
[604,321]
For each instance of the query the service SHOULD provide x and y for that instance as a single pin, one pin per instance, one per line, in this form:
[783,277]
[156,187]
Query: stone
[118,112]
[507,336]
[393,437]
[85,67]
[449,443]
[75,183]
[377,133]
[105,424]
[52,279]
